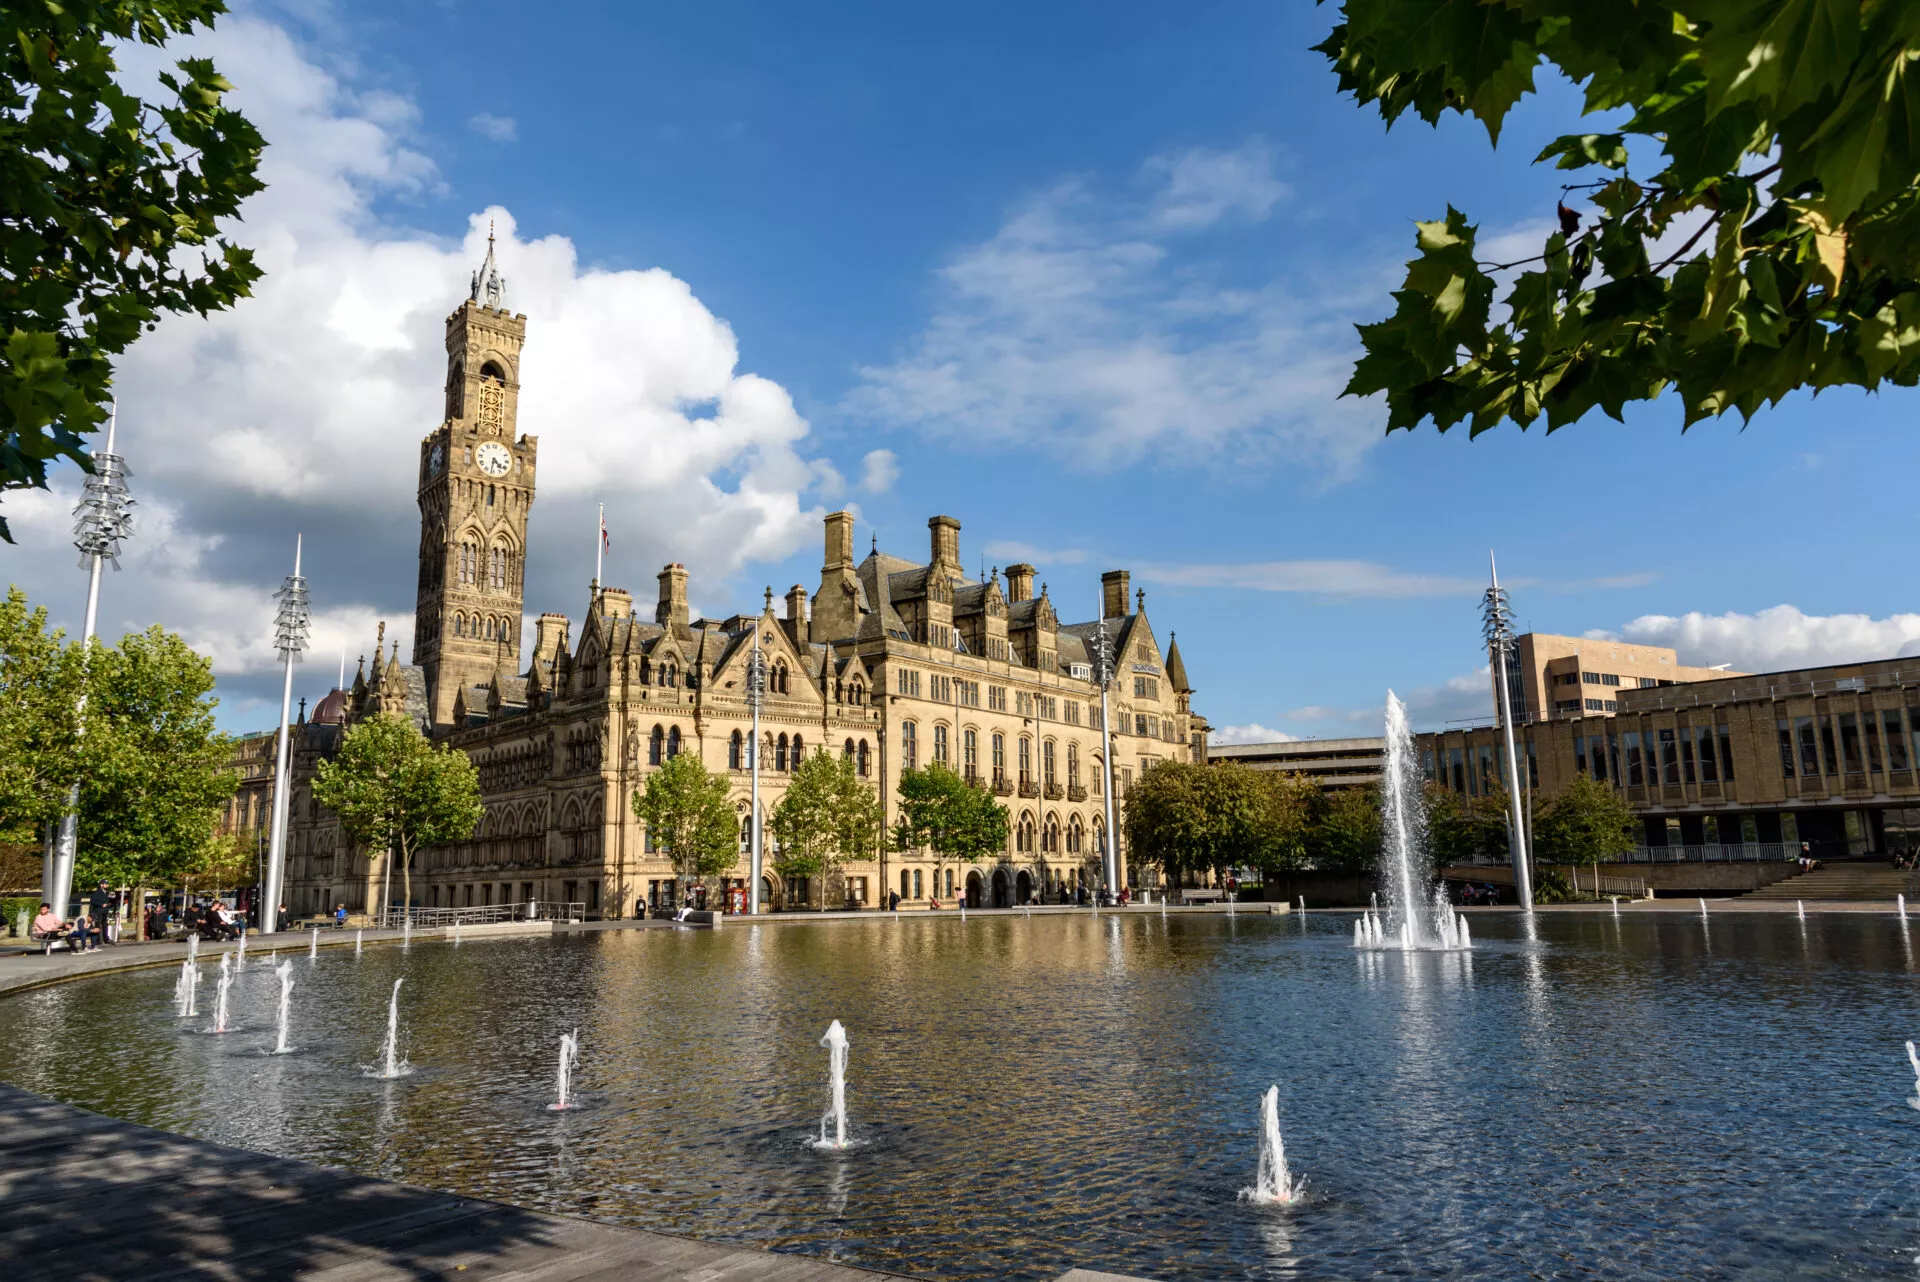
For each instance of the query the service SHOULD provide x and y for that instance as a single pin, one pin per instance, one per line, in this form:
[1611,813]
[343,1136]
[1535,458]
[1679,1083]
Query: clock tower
[476,487]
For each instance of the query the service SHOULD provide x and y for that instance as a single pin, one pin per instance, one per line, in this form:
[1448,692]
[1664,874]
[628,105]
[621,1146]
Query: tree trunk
[139,913]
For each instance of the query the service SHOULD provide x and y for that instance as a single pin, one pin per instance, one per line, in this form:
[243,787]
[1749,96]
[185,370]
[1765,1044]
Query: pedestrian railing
[482,914]
[1747,852]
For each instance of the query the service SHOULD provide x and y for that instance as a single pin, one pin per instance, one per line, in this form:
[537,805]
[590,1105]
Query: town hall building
[891,662]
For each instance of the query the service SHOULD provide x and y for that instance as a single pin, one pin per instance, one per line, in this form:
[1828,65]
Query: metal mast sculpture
[1103,668]
[1497,626]
[289,638]
[756,695]
[102,520]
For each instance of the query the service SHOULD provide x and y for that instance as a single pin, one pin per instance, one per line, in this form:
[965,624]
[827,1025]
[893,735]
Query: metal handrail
[1750,852]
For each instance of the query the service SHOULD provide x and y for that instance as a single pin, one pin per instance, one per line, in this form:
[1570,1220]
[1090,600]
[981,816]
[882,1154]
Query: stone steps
[1841,881]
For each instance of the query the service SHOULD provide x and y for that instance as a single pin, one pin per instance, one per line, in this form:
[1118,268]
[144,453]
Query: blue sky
[1087,274]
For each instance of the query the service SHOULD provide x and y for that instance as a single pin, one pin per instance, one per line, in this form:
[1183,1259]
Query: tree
[1345,834]
[827,816]
[689,816]
[1587,823]
[42,681]
[157,773]
[104,197]
[1462,829]
[395,792]
[1788,141]
[953,820]
[228,859]
[1189,818]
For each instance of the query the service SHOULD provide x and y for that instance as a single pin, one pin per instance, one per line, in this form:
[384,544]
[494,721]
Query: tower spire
[489,286]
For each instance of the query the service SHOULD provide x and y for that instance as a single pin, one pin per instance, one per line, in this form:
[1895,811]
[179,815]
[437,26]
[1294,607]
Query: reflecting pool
[1643,1097]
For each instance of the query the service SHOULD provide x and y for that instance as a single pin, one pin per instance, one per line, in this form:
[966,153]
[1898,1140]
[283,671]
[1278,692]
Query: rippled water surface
[1622,1099]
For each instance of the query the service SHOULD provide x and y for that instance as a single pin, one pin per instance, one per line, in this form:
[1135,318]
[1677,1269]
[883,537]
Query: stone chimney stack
[672,610]
[1113,593]
[836,606]
[839,541]
[549,637]
[616,603]
[1020,582]
[796,620]
[946,542]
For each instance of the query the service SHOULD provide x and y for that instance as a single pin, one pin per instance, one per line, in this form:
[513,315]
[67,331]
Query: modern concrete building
[1583,677]
[1331,763]
[1737,766]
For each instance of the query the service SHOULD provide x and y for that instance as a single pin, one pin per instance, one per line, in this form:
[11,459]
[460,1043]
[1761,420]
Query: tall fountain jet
[391,1065]
[569,1060]
[285,971]
[1416,917]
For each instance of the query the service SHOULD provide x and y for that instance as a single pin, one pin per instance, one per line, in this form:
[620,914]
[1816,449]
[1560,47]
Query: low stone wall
[494,929]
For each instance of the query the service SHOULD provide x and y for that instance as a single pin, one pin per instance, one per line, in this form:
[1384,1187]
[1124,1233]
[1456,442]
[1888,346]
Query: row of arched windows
[1047,836]
[485,627]
[491,568]
[666,673]
[663,745]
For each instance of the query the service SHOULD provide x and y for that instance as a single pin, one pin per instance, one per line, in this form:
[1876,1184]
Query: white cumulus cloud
[1085,328]
[1775,639]
[303,407]
[879,469]
[497,128]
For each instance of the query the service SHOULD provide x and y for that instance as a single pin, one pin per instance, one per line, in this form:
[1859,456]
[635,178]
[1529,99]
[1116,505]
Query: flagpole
[599,545]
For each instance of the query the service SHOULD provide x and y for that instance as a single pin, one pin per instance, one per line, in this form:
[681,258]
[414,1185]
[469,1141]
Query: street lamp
[101,520]
[1497,627]
[290,626]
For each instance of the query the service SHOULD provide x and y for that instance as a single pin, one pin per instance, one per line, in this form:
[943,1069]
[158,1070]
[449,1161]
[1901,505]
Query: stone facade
[893,662]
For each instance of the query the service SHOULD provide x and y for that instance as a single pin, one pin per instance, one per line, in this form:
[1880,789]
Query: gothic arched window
[798,749]
[846,750]
[970,752]
[940,744]
[733,751]
[1046,762]
[909,745]
[1026,760]
[862,759]
[999,757]
[673,743]
[1073,765]
[497,569]
[656,746]
[780,753]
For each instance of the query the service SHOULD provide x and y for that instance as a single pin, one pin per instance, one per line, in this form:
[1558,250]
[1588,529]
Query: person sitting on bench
[48,929]
[82,938]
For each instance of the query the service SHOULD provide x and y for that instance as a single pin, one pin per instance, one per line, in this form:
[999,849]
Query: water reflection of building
[1825,756]
[892,663]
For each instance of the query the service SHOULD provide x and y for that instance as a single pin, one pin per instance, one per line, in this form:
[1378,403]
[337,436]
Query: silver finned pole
[756,689]
[1110,855]
[102,520]
[1498,628]
[290,638]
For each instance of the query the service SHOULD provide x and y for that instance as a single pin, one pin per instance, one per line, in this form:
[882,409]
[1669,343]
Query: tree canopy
[110,207]
[1188,818]
[828,815]
[395,792]
[42,680]
[1587,823]
[947,816]
[157,773]
[1745,224]
[689,816]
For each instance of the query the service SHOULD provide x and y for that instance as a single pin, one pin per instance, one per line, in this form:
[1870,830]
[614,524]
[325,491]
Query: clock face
[434,459]
[493,458]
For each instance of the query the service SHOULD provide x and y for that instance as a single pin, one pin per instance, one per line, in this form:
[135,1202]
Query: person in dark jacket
[100,908]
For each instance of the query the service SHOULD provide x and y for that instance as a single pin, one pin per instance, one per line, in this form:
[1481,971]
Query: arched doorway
[1022,887]
[1000,888]
[975,892]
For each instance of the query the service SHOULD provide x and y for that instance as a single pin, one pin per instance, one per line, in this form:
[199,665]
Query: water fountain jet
[1418,916]
[226,986]
[1273,1183]
[240,957]
[313,945]
[1913,1058]
[836,1115]
[391,1065]
[569,1060]
[285,971]
[1800,909]
[357,941]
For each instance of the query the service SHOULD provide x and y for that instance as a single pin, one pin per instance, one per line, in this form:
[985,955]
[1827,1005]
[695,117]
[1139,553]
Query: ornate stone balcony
[1002,786]
[1028,788]
[1055,792]
[1076,792]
